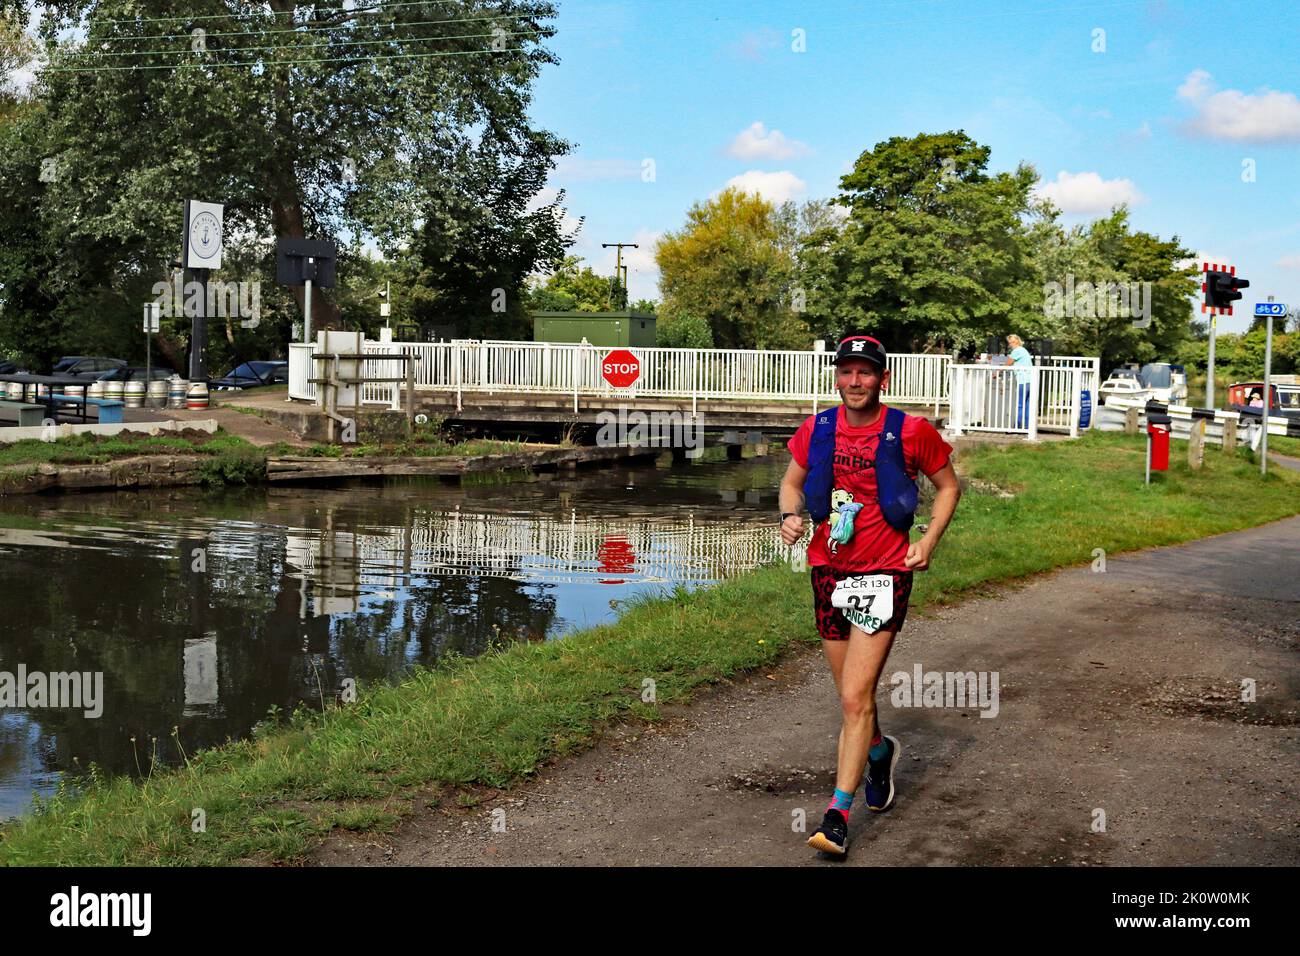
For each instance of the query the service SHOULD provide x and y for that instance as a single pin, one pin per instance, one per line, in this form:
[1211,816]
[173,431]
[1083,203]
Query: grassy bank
[229,459]
[1284,445]
[496,719]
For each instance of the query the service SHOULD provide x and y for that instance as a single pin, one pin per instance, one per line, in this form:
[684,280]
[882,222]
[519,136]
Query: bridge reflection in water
[343,567]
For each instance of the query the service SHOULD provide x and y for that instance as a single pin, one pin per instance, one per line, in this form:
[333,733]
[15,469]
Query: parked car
[86,366]
[253,375]
[135,373]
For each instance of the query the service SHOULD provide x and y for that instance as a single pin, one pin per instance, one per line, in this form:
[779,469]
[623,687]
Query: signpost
[620,368]
[152,316]
[202,242]
[302,262]
[1268,309]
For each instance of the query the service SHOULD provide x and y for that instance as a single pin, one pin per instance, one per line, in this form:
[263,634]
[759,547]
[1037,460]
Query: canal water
[206,611]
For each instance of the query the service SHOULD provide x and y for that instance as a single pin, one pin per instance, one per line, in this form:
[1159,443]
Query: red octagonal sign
[620,368]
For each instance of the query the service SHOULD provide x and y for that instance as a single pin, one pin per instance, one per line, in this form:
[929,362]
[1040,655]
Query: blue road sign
[1270,308]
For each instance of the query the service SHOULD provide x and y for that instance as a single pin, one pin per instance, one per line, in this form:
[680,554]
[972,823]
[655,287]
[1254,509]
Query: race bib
[866,600]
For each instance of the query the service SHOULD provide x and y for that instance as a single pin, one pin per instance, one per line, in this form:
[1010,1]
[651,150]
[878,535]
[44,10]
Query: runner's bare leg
[856,665]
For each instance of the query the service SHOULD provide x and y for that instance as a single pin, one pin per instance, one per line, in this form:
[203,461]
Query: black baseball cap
[863,346]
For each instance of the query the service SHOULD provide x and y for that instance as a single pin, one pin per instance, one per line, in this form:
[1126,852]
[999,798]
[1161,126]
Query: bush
[683,332]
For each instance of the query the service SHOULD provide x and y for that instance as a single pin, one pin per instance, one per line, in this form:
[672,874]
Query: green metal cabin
[604,329]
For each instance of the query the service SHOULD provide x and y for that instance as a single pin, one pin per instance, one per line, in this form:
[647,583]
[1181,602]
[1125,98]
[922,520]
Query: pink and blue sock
[842,802]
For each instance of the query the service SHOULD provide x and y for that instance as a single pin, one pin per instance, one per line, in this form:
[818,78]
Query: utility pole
[619,270]
[1268,393]
[1209,367]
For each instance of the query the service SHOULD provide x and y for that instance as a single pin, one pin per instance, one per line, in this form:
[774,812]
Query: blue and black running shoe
[880,777]
[833,835]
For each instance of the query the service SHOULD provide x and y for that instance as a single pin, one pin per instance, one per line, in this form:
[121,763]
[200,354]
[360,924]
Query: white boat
[1164,382]
[1123,383]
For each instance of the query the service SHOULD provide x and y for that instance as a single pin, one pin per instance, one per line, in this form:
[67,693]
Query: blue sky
[1146,111]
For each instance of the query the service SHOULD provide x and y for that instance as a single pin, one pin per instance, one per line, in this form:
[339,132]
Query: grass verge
[228,459]
[494,720]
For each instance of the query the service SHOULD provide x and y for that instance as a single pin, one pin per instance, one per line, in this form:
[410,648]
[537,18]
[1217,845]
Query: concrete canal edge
[310,468]
[140,471]
[177,470]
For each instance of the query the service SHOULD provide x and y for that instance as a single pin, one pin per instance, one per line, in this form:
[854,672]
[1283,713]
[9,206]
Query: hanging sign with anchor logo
[203,225]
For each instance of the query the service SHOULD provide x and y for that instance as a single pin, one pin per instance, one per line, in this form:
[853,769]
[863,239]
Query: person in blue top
[1024,365]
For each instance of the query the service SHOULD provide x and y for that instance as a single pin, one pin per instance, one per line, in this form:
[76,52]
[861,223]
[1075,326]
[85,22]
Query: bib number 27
[865,600]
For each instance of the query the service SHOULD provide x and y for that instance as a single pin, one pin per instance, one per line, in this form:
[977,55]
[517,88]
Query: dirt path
[252,428]
[1118,692]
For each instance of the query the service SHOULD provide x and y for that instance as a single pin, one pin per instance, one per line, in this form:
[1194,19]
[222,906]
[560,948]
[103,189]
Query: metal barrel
[176,387]
[95,390]
[74,391]
[197,395]
[133,394]
[157,393]
[113,391]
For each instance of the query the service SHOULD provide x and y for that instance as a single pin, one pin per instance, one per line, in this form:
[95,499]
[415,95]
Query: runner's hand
[792,529]
[918,556]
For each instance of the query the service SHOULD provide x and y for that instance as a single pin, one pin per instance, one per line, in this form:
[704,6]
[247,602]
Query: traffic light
[1221,287]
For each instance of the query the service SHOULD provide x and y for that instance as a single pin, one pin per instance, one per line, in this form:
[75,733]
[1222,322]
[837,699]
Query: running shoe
[880,777]
[833,835]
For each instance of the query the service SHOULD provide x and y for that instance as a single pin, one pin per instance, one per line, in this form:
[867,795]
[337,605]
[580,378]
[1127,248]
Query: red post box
[1159,446]
[1158,427]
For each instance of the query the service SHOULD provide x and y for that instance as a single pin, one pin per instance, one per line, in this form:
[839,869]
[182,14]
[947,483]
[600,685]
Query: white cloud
[758,142]
[1089,193]
[774,187]
[543,197]
[1289,262]
[1265,116]
[575,168]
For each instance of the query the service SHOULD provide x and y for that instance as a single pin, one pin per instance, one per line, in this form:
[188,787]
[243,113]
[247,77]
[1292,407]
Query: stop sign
[620,368]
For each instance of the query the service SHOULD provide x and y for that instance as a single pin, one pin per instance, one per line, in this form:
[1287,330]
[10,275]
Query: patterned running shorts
[832,625]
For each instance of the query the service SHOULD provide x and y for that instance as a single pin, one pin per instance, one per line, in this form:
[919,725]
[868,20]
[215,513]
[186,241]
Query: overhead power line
[302,29]
[274,62]
[249,49]
[364,9]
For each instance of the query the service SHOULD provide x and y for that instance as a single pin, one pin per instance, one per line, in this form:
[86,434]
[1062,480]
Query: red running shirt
[875,545]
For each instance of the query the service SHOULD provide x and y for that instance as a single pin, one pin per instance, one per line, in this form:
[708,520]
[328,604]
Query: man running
[861,558]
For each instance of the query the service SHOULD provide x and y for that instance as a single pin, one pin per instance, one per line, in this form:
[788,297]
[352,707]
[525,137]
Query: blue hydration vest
[895,491]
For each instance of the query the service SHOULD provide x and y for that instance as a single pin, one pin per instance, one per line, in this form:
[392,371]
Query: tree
[470,263]
[731,267]
[934,251]
[1112,292]
[305,119]
[572,287]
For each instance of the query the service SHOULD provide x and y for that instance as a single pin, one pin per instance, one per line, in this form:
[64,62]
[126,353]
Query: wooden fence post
[1196,445]
[1131,420]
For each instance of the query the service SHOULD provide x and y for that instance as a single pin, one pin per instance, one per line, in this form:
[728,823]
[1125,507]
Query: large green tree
[935,251]
[732,267]
[1083,270]
[319,119]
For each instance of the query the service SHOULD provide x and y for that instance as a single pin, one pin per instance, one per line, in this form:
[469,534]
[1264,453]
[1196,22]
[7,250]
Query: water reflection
[205,611]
